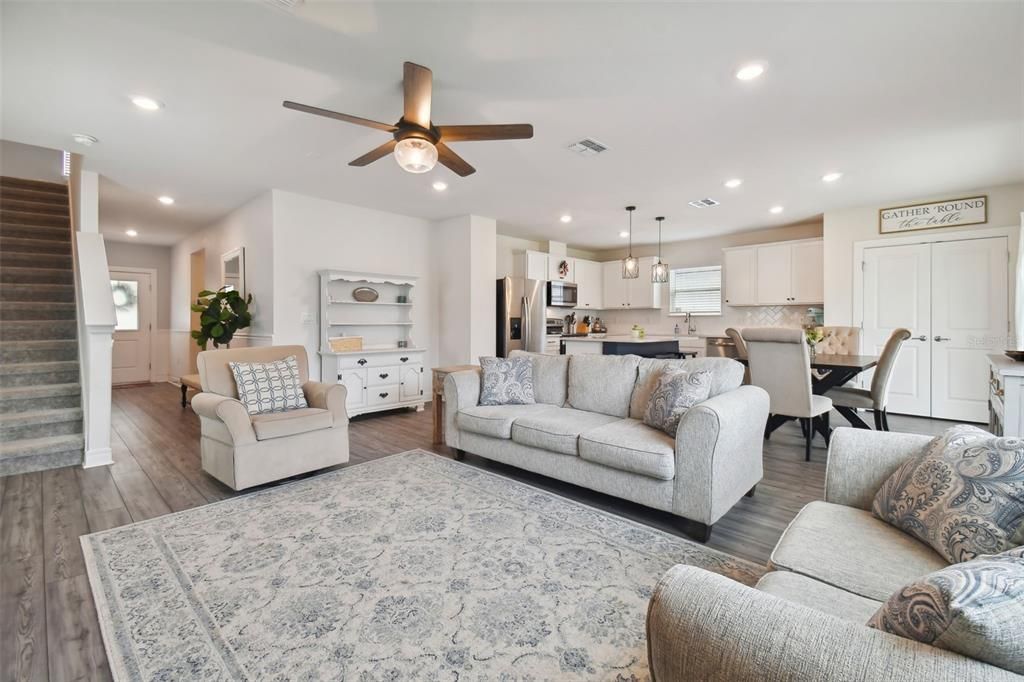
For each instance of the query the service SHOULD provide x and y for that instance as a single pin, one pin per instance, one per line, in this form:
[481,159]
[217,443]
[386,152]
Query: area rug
[408,567]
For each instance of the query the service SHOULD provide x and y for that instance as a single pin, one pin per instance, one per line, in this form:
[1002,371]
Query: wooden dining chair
[741,350]
[848,399]
[780,364]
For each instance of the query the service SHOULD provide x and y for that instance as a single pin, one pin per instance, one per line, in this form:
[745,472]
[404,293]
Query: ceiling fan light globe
[416,155]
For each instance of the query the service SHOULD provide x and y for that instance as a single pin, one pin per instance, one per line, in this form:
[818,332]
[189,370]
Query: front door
[970,308]
[897,293]
[133,305]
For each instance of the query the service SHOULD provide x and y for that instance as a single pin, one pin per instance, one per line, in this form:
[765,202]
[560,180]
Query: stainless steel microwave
[562,295]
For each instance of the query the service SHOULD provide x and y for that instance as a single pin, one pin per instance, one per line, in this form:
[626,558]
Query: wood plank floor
[48,625]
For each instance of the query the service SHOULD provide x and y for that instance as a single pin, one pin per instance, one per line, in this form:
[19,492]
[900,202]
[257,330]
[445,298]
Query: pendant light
[630,264]
[659,271]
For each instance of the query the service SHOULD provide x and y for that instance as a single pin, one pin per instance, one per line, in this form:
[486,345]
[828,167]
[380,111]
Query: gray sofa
[805,620]
[586,428]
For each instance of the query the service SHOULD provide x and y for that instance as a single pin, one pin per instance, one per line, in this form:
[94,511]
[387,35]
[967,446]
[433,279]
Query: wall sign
[949,213]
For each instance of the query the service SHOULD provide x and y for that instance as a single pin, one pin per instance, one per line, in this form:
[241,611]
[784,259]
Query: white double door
[953,297]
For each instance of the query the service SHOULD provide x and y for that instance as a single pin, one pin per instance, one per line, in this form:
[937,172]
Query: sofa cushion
[557,429]
[817,595]
[850,549]
[726,375]
[675,392]
[274,386]
[602,383]
[550,376]
[975,608]
[630,445]
[290,423]
[495,420]
[506,381]
[964,495]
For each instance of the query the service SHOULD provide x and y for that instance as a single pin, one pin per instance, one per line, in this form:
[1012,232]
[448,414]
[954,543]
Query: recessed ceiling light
[831,177]
[146,103]
[566,218]
[733,183]
[624,234]
[83,139]
[440,186]
[131,233]
[749,72]
[775,209]
[165,200]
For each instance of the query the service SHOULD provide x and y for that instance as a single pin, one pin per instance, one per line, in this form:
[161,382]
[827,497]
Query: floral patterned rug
[408,567]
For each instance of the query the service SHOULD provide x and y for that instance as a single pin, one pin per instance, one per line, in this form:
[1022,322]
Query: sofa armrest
[859,461]
[331,397]
[461,390]
[703,626]
[230,411]
[718,455]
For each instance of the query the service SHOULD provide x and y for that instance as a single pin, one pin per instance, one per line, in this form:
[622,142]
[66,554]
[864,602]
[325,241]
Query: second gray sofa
[586,428]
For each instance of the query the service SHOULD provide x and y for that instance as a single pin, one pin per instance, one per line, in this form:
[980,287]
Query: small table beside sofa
[586,428]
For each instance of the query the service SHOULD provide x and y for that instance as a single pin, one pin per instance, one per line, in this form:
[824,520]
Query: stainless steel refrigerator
[522,308]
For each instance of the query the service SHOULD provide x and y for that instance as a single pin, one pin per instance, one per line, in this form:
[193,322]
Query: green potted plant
[221,314]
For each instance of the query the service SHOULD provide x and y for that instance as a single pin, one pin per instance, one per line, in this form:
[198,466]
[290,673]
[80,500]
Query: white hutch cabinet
[387,373]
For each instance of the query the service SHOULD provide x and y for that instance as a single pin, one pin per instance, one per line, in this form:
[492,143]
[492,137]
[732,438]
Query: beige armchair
[244,450]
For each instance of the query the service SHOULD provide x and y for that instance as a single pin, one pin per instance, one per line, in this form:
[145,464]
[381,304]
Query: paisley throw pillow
[963,495]
[975,608]
[676,392]
[506,381]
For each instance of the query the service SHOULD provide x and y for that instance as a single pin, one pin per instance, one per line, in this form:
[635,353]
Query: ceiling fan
[418,144]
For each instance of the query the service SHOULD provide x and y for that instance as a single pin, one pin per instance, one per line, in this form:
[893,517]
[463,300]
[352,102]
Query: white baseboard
[98,457]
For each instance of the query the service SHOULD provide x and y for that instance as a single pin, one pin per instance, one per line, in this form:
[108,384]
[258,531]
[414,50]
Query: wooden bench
[189,381]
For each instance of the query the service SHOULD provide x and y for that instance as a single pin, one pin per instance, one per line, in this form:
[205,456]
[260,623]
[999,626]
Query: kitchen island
[624,344]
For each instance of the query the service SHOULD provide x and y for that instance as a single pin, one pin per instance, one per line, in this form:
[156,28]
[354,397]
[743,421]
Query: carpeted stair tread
[36,275]
[16,311]
[40,397]
[40,446]
[15,292]
[38,330]
[30,245]
[35,195]
[28,260]
[36,373]
[30,218]
[38,351]
[36,367]
[30,424]
[9,182]
[53,234]
[32,206]
[41,417]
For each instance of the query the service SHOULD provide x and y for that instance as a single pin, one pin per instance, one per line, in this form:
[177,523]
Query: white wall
[465,251]
[30,162]
[315,234]
[703,252]
[249,226]
[845,227]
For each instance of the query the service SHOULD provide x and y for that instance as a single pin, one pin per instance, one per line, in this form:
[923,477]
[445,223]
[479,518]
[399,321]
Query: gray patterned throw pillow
[975,608]
[963,495]
[506,381]
[269,386]
[676,392]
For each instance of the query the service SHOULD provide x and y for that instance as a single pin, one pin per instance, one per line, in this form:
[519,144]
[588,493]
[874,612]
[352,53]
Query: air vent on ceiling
[706,202]
[588,147]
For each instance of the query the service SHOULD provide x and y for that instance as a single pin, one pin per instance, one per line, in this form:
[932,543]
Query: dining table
[833,369]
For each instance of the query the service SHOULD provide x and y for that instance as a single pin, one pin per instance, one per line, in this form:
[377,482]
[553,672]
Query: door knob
[943,338]
[921,338]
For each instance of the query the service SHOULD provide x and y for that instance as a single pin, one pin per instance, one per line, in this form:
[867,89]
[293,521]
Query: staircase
[40,389]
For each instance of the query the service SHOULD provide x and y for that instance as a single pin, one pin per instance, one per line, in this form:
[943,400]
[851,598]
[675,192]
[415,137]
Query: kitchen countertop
[623,338]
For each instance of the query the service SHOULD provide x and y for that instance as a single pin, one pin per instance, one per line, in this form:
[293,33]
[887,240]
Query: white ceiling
[906,99]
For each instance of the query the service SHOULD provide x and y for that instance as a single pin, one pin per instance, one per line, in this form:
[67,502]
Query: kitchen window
[697,291]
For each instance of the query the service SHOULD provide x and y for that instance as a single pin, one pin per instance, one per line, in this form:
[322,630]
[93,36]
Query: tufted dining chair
[839,341]
[780,364]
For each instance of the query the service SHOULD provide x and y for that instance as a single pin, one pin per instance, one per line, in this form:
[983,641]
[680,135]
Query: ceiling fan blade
[453,161]
[505,131]
[378,153]
[417,83]
[386,127]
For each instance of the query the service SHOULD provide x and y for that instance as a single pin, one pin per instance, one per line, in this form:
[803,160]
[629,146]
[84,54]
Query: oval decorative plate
[365,294]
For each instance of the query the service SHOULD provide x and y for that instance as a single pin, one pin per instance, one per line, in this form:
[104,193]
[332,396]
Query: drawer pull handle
[361,361]
[385,375]
[383,395]
[404,359]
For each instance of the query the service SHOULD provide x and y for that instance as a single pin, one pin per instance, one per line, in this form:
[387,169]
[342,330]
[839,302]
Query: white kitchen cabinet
[639,293]
[808,272]
[740,276]
[589,285]
[783,273]
[774,274]
[561,268]
[535,265]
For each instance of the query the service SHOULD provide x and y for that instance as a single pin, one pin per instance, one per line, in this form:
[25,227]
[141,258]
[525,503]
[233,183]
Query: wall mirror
[232,270]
